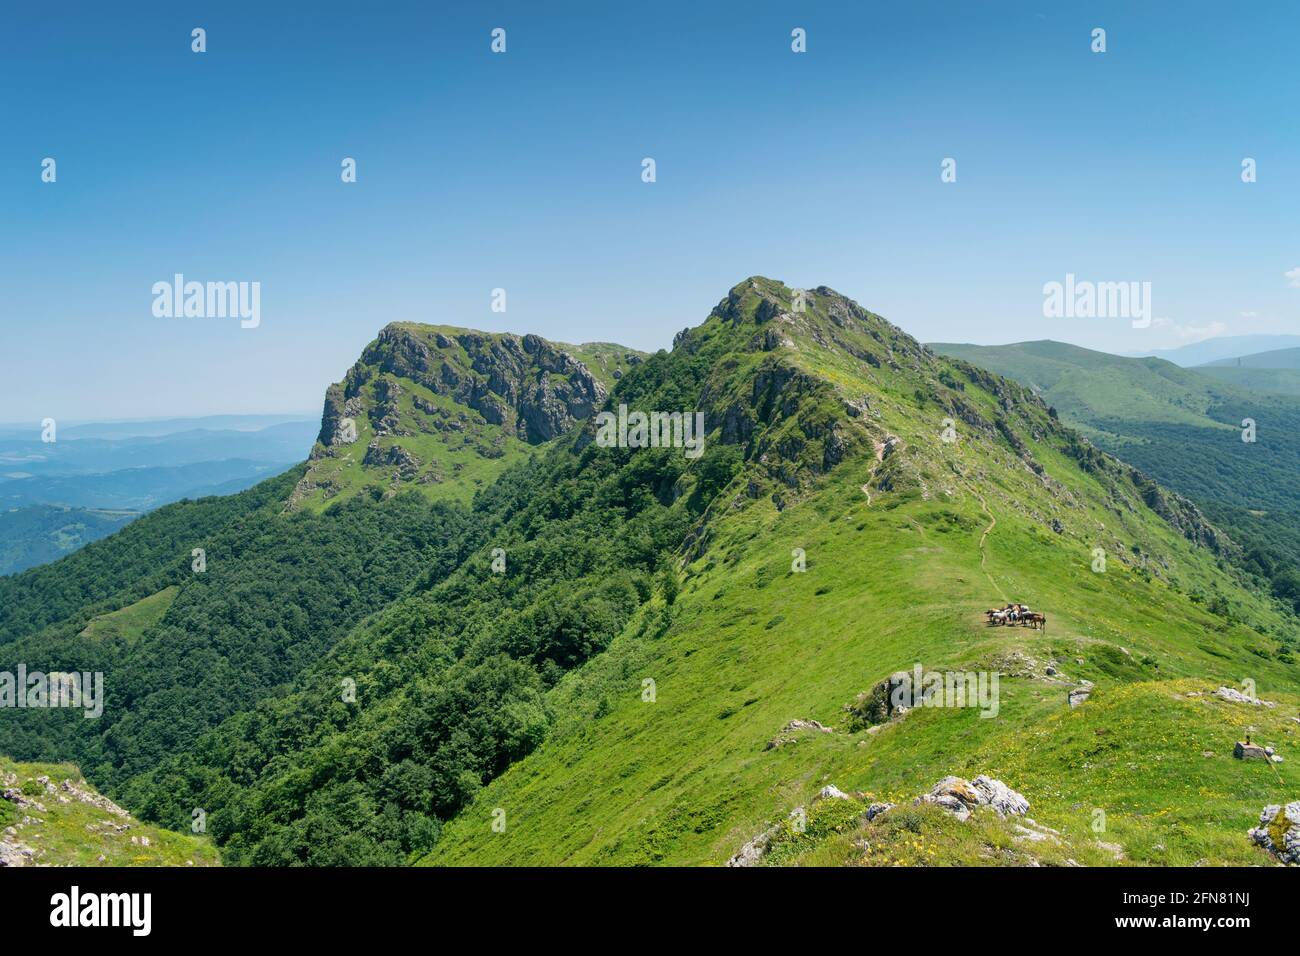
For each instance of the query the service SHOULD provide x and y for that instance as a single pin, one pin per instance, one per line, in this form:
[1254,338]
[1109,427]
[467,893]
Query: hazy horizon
[313,413]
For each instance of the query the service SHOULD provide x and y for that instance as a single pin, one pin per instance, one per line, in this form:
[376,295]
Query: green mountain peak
[445,410]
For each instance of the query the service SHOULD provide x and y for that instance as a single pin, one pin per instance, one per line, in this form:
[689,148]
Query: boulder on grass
[1279,832]
[959,797]
[1237,697]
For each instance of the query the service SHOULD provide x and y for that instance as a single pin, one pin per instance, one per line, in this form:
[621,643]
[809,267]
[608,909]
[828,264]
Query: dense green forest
[142,558]
[275,593]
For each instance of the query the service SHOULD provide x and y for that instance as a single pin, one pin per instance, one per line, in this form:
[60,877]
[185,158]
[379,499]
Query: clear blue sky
[522,171]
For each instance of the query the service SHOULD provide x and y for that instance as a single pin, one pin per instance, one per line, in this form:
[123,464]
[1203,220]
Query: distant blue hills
[97,476]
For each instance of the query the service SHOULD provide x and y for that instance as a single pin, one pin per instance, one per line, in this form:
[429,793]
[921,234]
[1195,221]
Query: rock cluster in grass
[752,853]
[1279,832]
[961,797]
[789,730]
[1237,697]
[15,853]
[882,703]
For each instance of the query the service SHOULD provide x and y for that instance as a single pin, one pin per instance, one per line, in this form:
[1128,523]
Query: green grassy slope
[608,361]
[50,816]
[130,623]
[1184,427]
[897,575]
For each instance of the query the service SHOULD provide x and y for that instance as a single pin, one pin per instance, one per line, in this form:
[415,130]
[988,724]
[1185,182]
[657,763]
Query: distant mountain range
[156,427]
[1277,358]
[1216,349]
[58,496]
[1277,371]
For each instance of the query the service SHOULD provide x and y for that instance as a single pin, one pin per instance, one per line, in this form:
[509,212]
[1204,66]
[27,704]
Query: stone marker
[1245,751]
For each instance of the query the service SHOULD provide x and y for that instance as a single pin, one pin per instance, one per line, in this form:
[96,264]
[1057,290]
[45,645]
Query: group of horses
[1016,614]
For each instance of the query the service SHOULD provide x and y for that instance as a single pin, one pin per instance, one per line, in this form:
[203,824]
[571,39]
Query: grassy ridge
[892,581]
[686,779]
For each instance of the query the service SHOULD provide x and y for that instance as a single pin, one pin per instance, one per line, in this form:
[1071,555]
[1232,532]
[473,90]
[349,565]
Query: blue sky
[522,171]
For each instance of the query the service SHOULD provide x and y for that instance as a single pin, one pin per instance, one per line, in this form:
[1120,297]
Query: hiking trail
[993,521]
[983,551]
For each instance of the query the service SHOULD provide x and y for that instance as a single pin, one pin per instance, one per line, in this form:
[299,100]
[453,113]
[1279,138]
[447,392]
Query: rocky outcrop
[385,416]
[962,797]
[486,390]
[407,465]
[1237,697]
[959,797]
[1181,514]
[887,699]
[37,796]
[788,732]
[1279,832]
[13,853]
[752,853]
[529,385]
[332,431]
[876,809]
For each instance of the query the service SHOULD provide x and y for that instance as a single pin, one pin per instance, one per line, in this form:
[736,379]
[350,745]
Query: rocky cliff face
[430,405]
[525,384]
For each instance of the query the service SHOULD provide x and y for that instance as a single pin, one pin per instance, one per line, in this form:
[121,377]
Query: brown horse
[1037,621]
